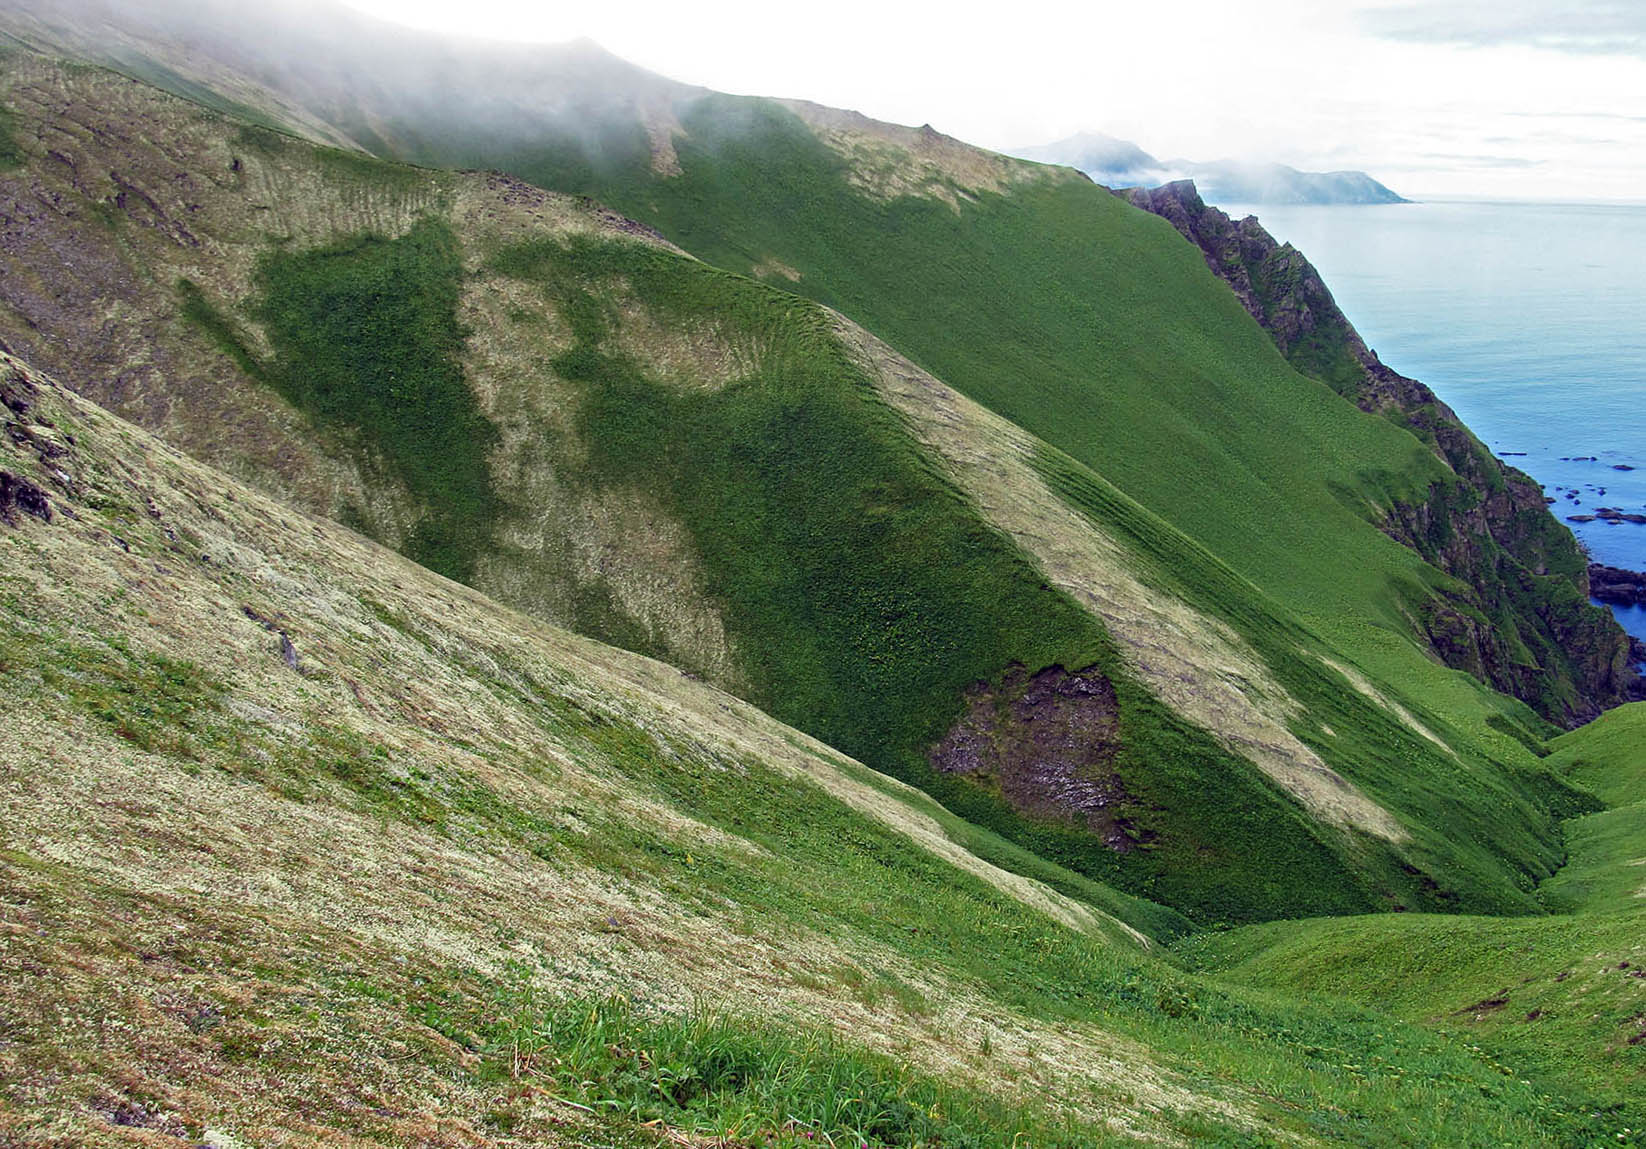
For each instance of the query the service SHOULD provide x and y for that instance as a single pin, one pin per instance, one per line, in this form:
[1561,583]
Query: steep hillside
[849,211]
[308,845]
[1521,619]
[1016,284]
[540,399]
[923,466]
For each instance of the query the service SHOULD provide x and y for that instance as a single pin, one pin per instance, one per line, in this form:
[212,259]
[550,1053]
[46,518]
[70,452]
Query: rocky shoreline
[1608,515]
[1617,586]
[1491,530]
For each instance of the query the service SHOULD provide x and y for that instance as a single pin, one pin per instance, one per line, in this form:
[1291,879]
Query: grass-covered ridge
[1097,328]
[1488,818]
[870,595]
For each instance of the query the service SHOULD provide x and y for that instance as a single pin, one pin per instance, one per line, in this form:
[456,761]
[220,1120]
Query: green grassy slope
[1095,327]
[1031,292]
[1087,322]
[616,437]
[1521,621]
[872,596]
[1607,869]
[1565,995]
[387,894]
[1557,997]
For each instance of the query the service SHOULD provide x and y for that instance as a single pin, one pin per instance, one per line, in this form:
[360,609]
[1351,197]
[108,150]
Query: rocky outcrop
[1616,585]
[1045,742]
[26,429]
[1521,621]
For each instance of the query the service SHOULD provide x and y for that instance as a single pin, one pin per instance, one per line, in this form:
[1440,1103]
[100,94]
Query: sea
[1529,319]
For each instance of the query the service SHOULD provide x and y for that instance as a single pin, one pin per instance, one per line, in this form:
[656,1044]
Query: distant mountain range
[1121,163]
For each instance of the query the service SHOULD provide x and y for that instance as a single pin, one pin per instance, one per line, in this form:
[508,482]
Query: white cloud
[1368,85]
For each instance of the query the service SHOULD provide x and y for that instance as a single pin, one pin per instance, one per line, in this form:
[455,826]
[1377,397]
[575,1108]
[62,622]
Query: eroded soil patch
[1047,741]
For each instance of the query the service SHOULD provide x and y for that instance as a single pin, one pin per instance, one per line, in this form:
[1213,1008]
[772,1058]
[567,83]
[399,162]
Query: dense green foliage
[367,343]
[868,596]
[219,328]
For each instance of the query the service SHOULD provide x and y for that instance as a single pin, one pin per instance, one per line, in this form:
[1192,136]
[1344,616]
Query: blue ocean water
[1528,319]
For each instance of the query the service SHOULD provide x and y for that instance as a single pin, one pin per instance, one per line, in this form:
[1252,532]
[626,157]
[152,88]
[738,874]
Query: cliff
[1520,618]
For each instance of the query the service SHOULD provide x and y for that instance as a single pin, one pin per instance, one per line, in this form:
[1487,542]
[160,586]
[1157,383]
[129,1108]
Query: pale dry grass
[697,358]
[890,160]
[771,267]
[1362,684]
[135,845]
[126,190]
[1196,664]
[564,539]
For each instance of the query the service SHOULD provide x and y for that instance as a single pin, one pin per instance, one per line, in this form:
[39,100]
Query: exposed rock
[17,392]
[19,494]
[1046,741]
[288,652]
[1616,585]
[1524,571]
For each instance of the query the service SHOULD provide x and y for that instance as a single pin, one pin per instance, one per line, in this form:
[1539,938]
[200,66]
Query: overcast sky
[1523,99]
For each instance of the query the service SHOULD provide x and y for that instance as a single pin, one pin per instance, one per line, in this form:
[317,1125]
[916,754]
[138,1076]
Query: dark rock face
[1522,622]
[1046,742]
[18,494]
[1616,585]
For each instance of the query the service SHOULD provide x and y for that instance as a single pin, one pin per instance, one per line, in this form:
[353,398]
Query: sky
[1515,99]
